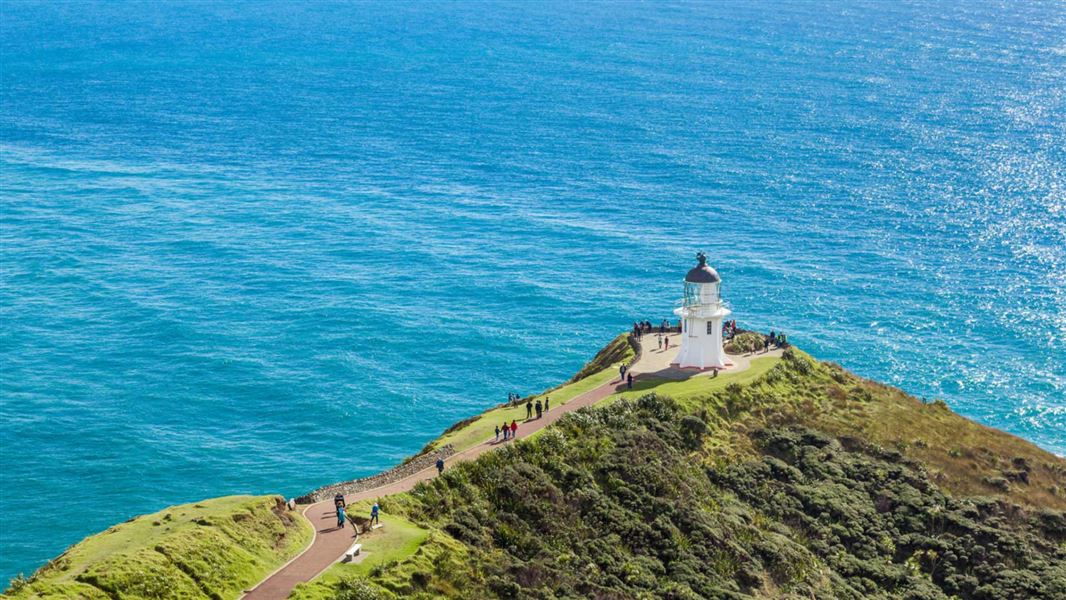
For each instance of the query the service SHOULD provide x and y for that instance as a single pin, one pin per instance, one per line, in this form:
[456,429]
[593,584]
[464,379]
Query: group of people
[642,327]
[729,329]
[342,514]
[625,375]
[513,398]
[664,342]
[777,339]
[540,408]
[509,431]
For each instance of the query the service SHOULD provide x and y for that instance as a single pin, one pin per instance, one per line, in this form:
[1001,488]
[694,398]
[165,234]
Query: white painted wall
[700,348]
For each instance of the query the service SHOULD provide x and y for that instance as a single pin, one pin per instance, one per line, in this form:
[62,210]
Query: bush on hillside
[615,504]
[744,343]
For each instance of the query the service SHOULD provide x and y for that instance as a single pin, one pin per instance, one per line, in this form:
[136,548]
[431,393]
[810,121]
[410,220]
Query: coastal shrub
[806,482]
[619,502]
[746,342]
[359,589]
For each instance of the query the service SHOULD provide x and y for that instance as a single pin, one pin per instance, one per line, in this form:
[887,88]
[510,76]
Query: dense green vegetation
[754,489]
[212,549]
[792,478]
[745,342]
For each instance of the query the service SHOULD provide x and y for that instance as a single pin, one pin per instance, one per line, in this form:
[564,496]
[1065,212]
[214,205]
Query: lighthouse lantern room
[701,313]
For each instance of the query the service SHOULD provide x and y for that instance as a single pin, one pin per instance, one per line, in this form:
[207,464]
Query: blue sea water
[259,247]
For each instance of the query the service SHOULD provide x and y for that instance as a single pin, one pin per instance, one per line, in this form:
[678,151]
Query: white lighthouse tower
[701,315]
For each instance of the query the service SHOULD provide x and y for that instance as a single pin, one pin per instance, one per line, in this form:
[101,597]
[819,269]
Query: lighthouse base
[701,338]
[701,359]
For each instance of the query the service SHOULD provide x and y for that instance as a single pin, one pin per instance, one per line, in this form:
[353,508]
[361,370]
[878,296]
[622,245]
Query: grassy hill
[212,549]
[792,479]
[800,480]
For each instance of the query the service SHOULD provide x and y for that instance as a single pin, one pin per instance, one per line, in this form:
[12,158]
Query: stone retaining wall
[416,464]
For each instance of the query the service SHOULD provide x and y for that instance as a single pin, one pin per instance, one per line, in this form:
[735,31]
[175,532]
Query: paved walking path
[331,542]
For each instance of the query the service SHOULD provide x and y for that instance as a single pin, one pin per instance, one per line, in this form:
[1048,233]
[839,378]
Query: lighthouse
[701,314]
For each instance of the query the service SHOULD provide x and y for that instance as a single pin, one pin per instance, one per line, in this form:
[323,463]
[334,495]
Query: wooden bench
[353,552]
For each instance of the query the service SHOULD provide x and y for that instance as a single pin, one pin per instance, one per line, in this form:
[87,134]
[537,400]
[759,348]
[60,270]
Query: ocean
[259,247]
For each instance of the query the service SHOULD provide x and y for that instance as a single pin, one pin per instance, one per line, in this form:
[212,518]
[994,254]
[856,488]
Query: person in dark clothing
[540,409]
[440,465]
[547,401]
[629,381]
[497,433]
[374,514]
[622,371]
[529,410]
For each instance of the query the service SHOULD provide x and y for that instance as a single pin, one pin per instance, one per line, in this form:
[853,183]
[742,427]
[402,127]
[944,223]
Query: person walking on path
[440,465]
[497,433]
[666,343]
[529,409]
[540,409]
[374,514]
[629,381]
[547,399]
[622,371]
[340,517]
[514,430]
[506,431]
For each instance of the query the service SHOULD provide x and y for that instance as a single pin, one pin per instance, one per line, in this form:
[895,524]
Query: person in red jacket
[514,429]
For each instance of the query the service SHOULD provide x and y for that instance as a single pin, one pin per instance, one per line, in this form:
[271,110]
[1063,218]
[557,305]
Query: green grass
[484,427]
[595,373]
[396,542]
[226,543]
[694,387]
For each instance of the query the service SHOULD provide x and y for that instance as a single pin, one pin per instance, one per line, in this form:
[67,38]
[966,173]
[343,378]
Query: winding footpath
[330,542]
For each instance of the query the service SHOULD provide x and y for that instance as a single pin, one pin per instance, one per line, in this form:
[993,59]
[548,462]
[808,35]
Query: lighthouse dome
[702,273]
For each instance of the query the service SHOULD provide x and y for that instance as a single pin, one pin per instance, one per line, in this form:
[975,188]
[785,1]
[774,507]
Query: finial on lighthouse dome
[702,273]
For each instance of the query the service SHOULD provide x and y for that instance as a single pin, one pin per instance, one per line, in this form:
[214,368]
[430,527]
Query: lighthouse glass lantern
[701,313]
